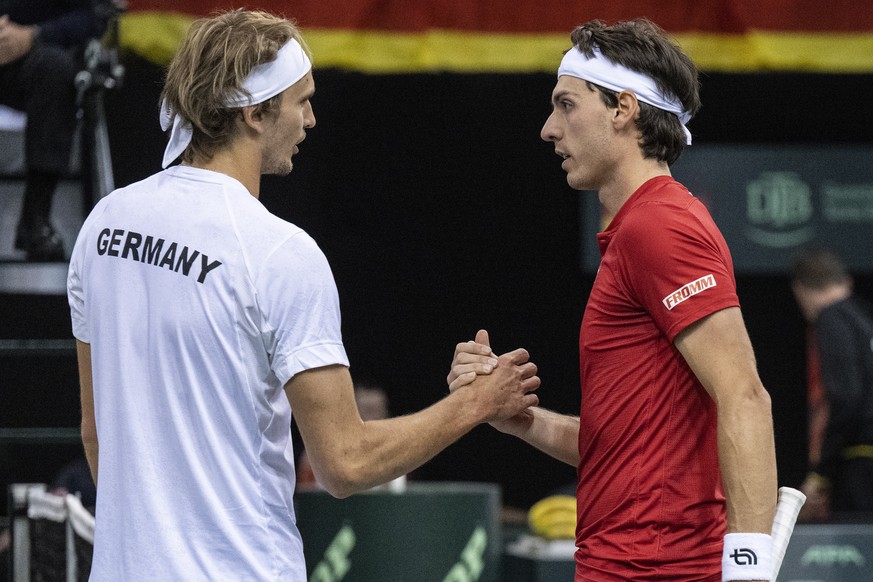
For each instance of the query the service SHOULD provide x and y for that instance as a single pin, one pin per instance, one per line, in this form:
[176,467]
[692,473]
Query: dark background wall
[441,212]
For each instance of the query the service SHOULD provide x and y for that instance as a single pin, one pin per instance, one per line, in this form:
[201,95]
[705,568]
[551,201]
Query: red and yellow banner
[388,36]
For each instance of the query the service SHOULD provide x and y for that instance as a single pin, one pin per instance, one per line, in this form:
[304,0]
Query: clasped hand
[475,358]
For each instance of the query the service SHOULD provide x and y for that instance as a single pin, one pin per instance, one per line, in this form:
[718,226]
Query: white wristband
[747,556]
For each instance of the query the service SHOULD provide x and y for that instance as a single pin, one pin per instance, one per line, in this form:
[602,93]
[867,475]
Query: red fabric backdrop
[549,16]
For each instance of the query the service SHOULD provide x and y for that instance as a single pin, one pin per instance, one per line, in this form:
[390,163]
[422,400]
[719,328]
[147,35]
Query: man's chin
[576,184]
[580,181]
[280,171]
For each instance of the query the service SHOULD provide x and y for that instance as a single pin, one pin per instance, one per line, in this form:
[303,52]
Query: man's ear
[253,117]
[627,110]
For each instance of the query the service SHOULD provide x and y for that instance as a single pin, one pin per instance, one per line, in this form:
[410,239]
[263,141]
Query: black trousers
[853,490]
[41,85]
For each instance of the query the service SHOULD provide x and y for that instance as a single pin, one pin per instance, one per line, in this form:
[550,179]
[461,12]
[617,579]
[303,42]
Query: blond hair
[215,57]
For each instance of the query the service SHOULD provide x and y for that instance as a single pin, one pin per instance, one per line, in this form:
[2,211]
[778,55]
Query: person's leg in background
[854,490]
[41,84]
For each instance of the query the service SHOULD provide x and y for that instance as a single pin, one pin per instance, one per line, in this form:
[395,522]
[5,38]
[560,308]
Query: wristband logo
[744,557]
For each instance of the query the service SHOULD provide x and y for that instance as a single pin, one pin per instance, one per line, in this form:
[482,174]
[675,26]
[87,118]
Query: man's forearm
[555,434]
[748,462]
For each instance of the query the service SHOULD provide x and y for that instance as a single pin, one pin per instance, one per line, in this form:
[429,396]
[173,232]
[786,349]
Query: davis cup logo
[689,290]
[779,209]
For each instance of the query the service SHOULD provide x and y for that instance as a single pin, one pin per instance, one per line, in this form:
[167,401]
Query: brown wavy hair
[644,47]
[214,59]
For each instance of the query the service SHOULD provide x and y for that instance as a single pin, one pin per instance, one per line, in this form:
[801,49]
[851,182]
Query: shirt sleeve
[676,265]
[76,276]
[76,298]
[300,303]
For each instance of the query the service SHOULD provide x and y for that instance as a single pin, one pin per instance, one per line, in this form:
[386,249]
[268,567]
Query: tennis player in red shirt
[674,443]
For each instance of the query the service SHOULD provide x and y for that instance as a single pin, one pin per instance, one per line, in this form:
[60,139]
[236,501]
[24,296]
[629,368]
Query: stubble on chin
[278,169]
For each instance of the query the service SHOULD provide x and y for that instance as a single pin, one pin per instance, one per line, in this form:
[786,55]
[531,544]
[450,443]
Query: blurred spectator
[40,44]
[840,387]
[5,542]
[75,477]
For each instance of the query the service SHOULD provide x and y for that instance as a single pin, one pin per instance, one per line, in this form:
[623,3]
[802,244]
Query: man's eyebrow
[559,95]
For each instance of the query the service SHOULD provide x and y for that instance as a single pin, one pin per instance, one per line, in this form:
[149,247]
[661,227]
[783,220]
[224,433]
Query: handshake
[500,387]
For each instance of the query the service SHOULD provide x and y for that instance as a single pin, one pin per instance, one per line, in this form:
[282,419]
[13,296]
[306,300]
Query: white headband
[601,71]
[264,81]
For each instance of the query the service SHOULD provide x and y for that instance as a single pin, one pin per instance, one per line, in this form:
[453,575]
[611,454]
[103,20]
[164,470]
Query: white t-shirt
[199,306]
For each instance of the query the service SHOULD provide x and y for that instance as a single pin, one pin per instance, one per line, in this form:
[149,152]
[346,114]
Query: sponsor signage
[829,553]
[769,201]
[430,531]
[689,290]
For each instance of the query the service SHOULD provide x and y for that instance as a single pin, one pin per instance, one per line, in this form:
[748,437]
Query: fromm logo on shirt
[689,290]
